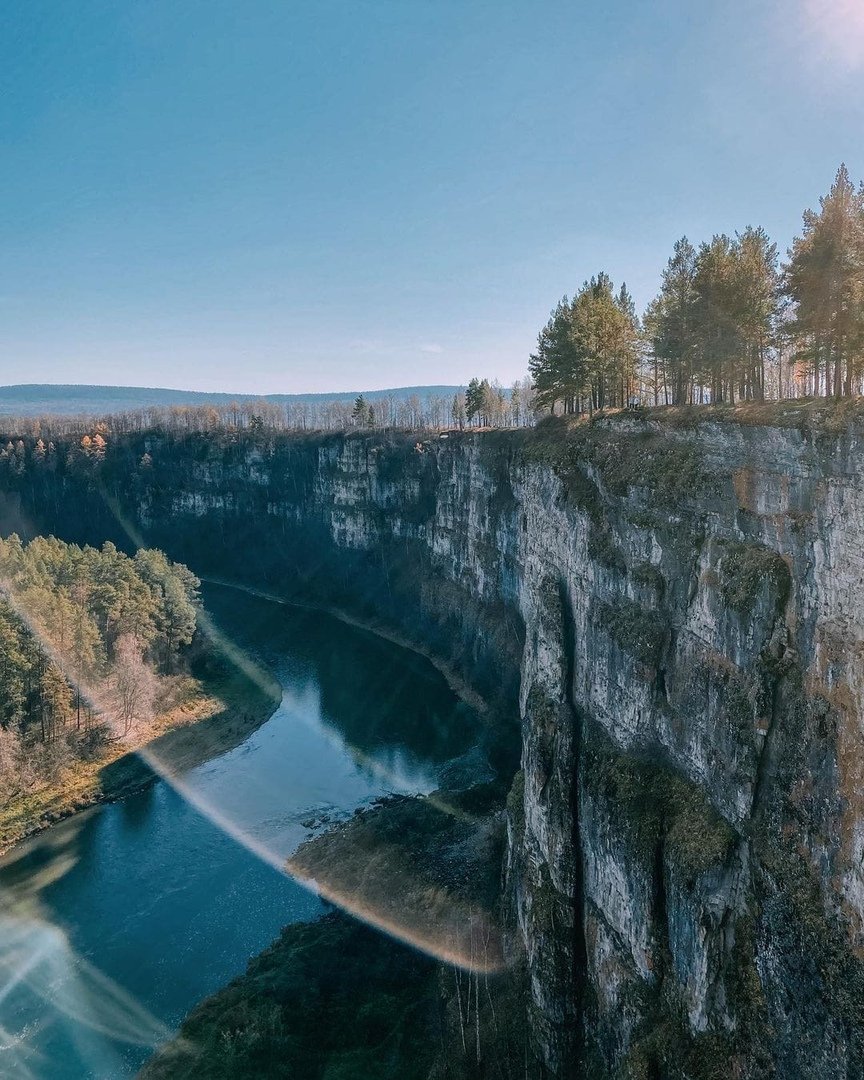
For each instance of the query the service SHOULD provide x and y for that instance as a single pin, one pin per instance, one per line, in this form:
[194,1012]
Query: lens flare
[455,933]
[36,957]
[40,969]
[836,28]
[453,938]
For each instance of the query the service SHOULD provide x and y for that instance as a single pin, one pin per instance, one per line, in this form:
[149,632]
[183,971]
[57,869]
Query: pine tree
[757,286]
[557,365]
[824,280]
[587,354]
[670,326]
[715,339]
[478,400]
[714,321]
[359,414]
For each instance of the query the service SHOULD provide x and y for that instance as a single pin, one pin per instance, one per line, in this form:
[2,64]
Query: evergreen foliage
[485,403]
[76,624]
[587,354]
[363,413]
[824,280]
[715,319]
[728,325]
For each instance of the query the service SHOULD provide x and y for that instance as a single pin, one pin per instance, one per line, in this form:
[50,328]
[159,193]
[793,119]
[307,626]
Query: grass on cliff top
[832,415]
[673,472]
[629,450]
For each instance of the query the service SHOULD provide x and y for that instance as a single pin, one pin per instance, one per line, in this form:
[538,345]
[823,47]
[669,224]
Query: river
[116,922]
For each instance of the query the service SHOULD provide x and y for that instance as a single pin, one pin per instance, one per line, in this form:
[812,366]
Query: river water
[116,922]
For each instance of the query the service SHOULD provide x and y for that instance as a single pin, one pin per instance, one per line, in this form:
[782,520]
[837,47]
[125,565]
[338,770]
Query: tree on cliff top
[713,322]
[587,353]
[824,279]
[362,414]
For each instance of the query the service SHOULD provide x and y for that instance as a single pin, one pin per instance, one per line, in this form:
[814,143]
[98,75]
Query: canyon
[663,615]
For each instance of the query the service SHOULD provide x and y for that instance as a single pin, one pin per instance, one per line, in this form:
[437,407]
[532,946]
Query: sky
[270,196]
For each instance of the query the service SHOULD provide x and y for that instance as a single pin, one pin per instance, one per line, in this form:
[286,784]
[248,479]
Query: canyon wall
[675,611]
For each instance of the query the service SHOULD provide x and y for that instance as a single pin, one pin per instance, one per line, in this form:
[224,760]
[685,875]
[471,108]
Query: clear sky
[274,196]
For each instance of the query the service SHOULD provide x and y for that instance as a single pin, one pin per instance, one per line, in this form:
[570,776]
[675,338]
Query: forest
[729,324]
[86,639]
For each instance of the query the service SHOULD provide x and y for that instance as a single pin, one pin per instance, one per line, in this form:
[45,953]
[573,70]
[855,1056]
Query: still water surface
[119,921]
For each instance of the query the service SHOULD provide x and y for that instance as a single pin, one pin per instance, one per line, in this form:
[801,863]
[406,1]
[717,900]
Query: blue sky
[281,196]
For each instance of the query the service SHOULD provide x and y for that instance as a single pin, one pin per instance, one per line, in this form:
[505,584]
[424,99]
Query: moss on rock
[638,631]
[650,800]
[744,572]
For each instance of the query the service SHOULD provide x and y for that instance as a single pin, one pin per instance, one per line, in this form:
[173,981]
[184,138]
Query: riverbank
[209,714]
[457,684]
[423,869]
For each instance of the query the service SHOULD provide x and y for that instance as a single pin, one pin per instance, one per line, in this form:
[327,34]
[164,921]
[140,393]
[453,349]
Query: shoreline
[221,715]
[425,888]
[456,683]
[236,719]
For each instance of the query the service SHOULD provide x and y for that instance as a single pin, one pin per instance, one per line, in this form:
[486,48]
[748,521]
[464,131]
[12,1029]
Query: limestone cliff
[677,609]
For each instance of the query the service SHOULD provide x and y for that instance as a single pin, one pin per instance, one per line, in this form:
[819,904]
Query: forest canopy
[85,634]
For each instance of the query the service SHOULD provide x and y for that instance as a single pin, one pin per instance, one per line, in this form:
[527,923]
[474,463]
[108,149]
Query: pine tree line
[729,323]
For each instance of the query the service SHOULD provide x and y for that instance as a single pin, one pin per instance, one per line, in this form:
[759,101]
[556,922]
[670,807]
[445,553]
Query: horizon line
[229,393]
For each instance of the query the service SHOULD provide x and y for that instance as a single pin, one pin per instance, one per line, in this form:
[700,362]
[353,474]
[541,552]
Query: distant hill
[40,399]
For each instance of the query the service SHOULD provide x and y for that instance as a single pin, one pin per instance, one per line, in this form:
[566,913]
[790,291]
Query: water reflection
[114,924]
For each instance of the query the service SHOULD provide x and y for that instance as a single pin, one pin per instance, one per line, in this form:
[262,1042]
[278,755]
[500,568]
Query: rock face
[679,613]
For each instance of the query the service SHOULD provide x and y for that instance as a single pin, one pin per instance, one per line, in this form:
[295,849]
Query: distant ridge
[39,399]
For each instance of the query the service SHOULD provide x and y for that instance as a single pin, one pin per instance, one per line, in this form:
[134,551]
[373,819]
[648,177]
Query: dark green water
[117,922]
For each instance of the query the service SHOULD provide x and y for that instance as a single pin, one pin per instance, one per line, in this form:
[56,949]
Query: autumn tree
[78,626]
[134,683]
[457,410]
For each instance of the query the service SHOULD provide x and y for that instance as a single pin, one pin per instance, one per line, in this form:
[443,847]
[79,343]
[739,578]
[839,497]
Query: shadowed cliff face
[677,616]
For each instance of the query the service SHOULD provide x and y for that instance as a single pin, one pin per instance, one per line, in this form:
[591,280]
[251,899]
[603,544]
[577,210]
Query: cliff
[674,609]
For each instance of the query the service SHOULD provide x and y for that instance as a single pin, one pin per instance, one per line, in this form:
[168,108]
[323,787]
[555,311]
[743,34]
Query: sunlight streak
[37,958]
[458,949]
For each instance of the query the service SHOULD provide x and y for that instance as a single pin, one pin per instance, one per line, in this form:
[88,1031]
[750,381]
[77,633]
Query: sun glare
[838,28]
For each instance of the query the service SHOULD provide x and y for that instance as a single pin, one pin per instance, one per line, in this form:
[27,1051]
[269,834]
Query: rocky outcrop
[677,614]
